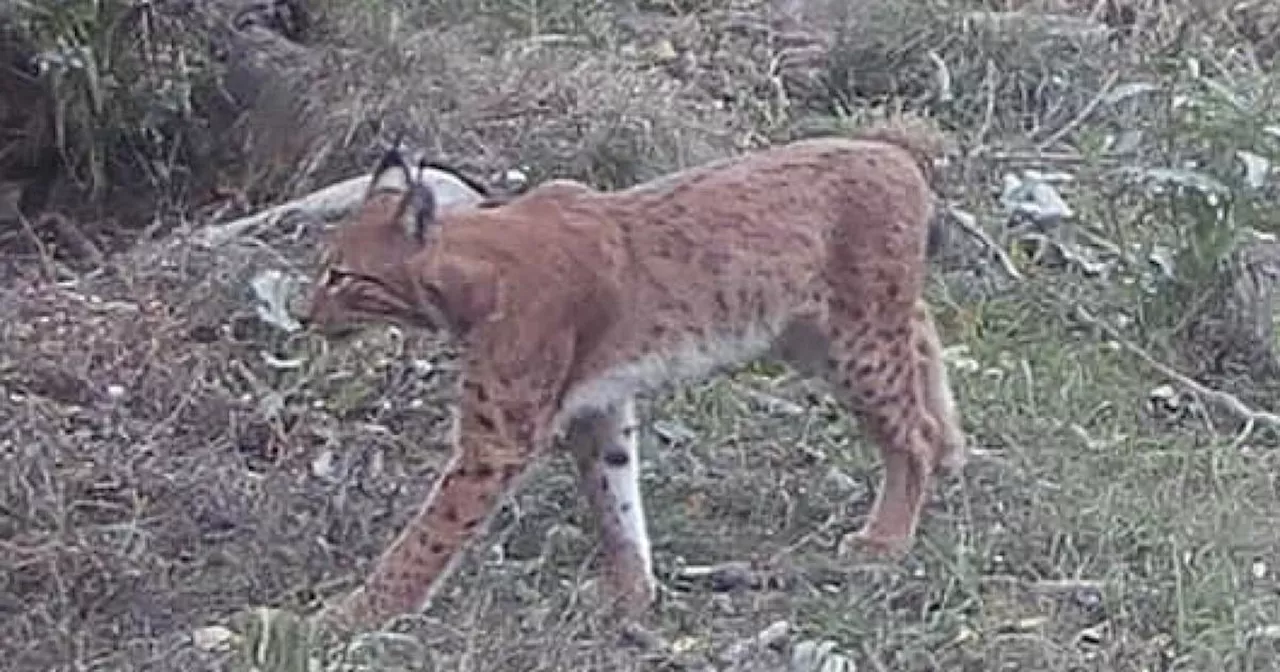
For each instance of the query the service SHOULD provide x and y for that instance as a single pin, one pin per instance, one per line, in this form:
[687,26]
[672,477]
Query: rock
[213,638]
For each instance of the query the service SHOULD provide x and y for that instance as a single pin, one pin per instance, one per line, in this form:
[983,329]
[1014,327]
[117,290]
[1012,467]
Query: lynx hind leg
[878,375]
[605,447]
[937,390]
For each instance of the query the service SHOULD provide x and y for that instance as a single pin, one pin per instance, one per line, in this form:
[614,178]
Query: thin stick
[982,237]
[1222,399]
[334,201]
[1084,113]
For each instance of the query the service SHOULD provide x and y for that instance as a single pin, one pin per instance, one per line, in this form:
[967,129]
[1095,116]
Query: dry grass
[168,461]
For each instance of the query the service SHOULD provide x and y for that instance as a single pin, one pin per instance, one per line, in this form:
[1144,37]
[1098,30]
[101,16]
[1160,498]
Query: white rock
[212,638]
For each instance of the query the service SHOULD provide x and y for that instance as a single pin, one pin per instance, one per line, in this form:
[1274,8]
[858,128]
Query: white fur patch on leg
[605,444]
[623,484]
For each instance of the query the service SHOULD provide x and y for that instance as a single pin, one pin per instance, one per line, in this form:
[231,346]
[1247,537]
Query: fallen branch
[1084,114]
[1222,399]
[725,577]
[333,202]
[966,222]
[1047,158]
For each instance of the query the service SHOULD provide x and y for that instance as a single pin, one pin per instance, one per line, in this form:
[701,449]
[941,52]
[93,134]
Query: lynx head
[385,264]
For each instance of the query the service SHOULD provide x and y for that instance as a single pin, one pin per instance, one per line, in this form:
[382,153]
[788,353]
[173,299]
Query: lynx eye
[335,278]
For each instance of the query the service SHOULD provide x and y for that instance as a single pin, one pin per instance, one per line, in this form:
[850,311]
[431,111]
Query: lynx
[568,301]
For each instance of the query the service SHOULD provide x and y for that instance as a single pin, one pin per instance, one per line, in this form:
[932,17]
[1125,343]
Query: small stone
[733,576]
[774,635]
[514,179]
[673,433]
[664,52]
[635,635]
[322,466]
[1089,597]
[1093,636]
[838,482]
[212,638]
[813,656]
[1266,632]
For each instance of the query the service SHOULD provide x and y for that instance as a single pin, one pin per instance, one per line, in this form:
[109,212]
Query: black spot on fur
[486,423]
[478,392]
[722,303]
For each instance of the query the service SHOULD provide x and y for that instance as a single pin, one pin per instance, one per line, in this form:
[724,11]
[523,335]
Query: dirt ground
[169,462]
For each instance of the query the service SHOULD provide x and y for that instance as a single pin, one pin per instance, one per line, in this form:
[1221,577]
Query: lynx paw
[955,456]
[866,542]
[343,616]
[632,595]
[625,596]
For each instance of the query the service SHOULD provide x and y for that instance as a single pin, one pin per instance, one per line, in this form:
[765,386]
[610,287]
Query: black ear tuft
[392,158]
[422,210]
[392,172]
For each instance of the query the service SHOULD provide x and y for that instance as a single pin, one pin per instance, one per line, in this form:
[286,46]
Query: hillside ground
[169,462]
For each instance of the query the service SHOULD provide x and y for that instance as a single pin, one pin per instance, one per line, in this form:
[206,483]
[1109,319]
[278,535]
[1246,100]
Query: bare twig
[328,203]
[989,113]
[1228,402]
[945,86]
[71,235]
[827,525]
[1084,113]
[47,264]
[772,403]
[333,202]
[1042,158]
[873,658]
[1059,586]
[965,222]
[726,576]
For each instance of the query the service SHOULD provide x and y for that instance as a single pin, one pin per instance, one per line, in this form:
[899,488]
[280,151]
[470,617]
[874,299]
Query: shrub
[120,74]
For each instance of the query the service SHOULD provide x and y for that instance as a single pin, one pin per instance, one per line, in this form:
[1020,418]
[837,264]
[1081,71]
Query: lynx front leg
[604,443]
[486,464]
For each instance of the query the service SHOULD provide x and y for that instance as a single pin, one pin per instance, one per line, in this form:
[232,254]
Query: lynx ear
[391,173]
[472,292]
[422,211]
[422,207]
